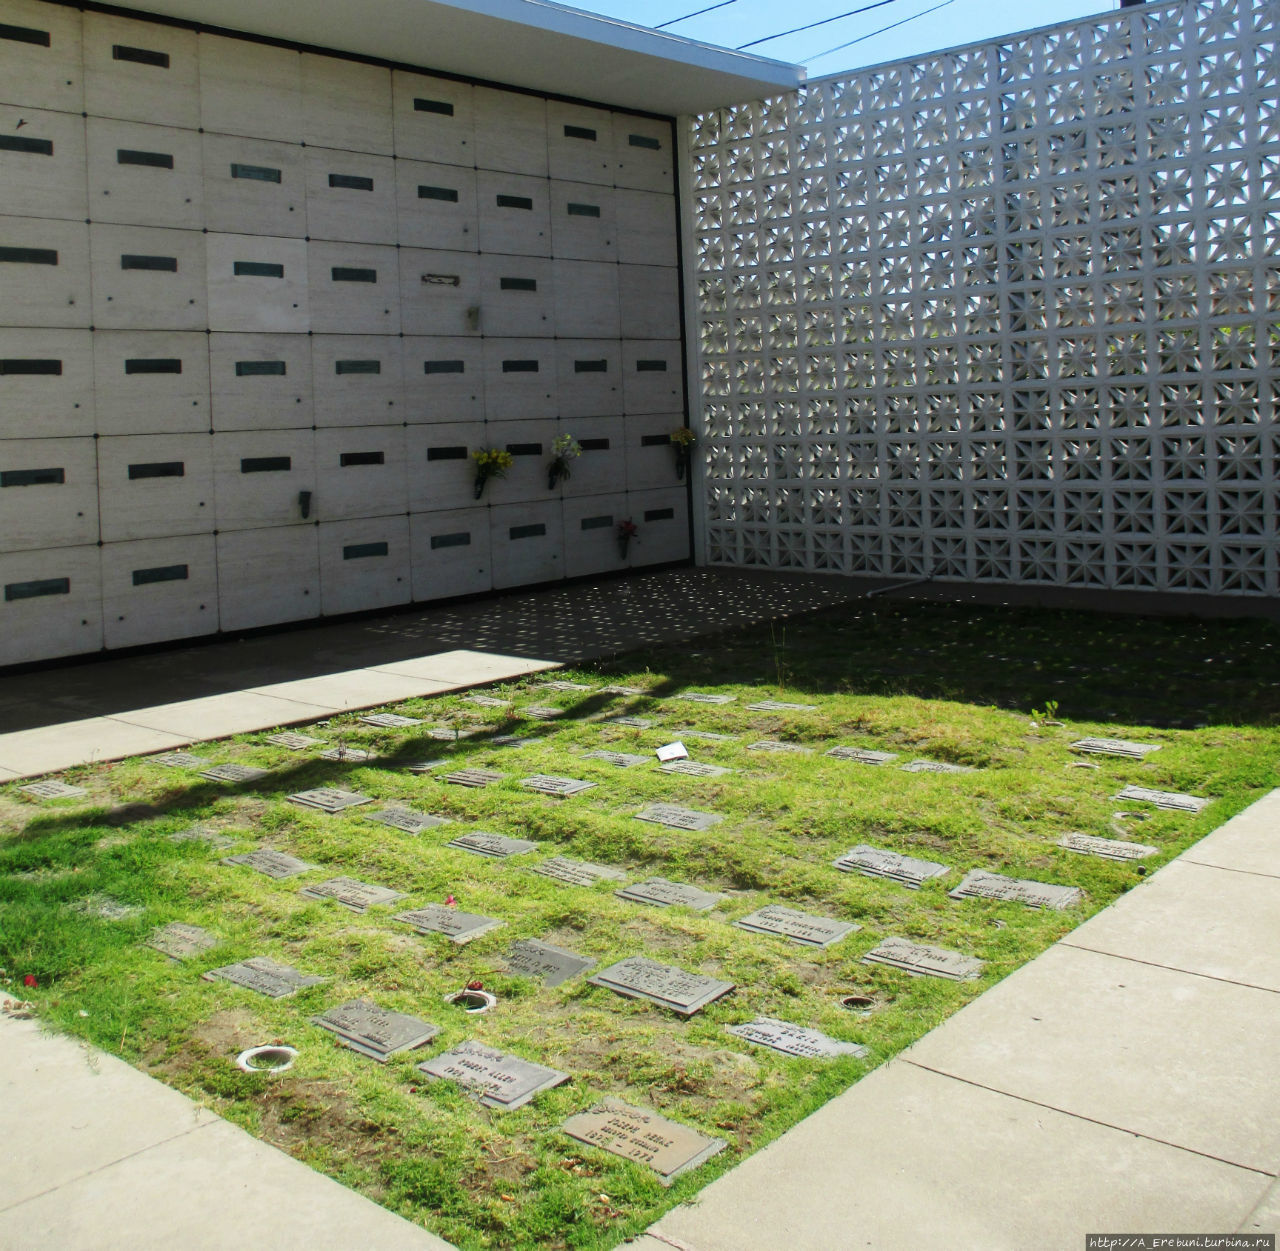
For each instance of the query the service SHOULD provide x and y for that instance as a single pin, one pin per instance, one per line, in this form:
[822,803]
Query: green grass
[954,684]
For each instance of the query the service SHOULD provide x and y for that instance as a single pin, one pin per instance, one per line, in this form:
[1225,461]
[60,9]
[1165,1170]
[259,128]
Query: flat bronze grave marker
[778,705]
[921,960]
[1107,848]
[181,760]
[774,744]
[799,927]
[637,1134]
[620,758]
[373,1031]
[352,894]
[564,686]
[877,862]
[423,766]
[708,737]
[694,769]
[202,834]
[678,818]
[663,893]
[499,1080]
[546,784]
[498,847]
[511,740]
[52,790]
[329,799]
[347,753]
[636,723]
[264,975]
[638,977]
[390,720]
[233,773]
[1114,747]
[935,766]
[459,927]
[554,965]
[700,697]
[542,712]
[577,872]
[104,908]
[294,742]
[276,864]
[979,884]
[450,734]
[488,701]
[623,690]
[472,777]
[181,941]
[406,819]
[794,1040]
[862,755]
[1170,801]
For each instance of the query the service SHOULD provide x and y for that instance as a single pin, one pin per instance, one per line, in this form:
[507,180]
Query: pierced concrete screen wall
[1009,313]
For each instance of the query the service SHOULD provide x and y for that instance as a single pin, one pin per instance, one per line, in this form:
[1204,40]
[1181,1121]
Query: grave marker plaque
[877,862]
[1170,801]
[979,884]
[406,819]
[636,723]
[936,766]
[637,1134]
[511,740]
[778,705]
[1114,747]
[694,769]
[1107,848]
[499,1080]
[390,720]
[276,864]
[496,846]
[347,753]
[202,834]
[623,690]
[577,872]
[619,758]
[294,742]
[638,977]
[233,773]
[472,777]
[794,1040]
[542,712]
[799,927]
[699,697]
[52,790]
[181,760]
[663,893]
[329,799]
[373,1031]
[678,818]
[459,927]
[488,701]
[347,891]
[181,941]
[423,766]
[921,960]
[545,784]
[450,734]
[564,686]
[862,755]
[264,975]
[104,908]
[553,965]
[707,736]
[773,744]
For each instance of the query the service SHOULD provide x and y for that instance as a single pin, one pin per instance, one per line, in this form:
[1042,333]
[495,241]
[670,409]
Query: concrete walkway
[1125,1081]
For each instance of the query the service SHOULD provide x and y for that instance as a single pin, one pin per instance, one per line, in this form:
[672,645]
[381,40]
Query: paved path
[1124,1081]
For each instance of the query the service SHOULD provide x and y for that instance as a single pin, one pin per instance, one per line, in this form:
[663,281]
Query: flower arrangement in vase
[683,441]
[564,449]
[491,462]
[627,530]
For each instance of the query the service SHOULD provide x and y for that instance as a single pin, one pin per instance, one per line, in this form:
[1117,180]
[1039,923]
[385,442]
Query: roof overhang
[526,43]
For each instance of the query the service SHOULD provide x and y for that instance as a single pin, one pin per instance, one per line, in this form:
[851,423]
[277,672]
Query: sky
[956,22]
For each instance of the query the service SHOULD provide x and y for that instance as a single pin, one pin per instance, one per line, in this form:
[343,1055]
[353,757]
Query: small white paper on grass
[672,751]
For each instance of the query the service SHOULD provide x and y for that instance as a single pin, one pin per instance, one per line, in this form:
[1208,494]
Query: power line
[724,4]
[892,26]
[795,30]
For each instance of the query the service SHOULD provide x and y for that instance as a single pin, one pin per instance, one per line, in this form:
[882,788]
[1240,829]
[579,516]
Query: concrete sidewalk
[1125,1081]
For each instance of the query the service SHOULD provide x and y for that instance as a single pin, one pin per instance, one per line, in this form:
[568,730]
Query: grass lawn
[950,684]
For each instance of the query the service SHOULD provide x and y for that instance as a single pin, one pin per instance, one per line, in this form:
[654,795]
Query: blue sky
[957,22]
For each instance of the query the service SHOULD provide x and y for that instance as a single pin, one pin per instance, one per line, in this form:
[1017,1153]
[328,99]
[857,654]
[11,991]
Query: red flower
[450,901]
[30,980]
[475,985]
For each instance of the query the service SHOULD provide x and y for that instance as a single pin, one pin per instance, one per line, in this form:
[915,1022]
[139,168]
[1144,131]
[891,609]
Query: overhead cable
[724,4]
[826,21]
[863,38]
